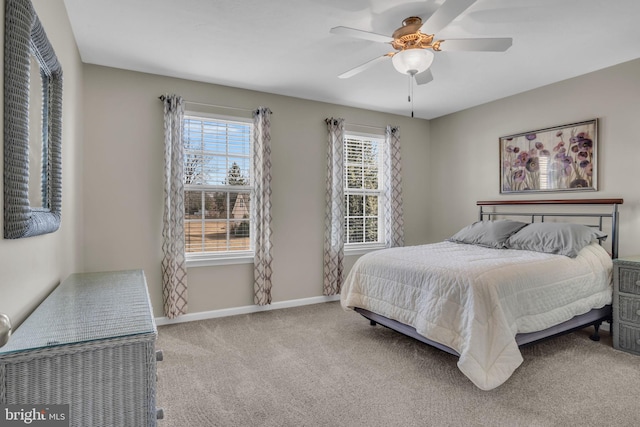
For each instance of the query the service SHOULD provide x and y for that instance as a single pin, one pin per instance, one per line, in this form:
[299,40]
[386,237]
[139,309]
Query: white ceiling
[284,46]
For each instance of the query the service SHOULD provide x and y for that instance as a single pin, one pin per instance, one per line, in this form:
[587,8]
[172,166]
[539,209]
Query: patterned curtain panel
[334,219]
[394,221]
[174,271]
[262,205]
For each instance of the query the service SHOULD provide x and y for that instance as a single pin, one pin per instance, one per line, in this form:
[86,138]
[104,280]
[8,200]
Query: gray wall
[464,164]
[123,199]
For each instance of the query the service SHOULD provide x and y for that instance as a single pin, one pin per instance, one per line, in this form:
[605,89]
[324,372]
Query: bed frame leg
[372,323]
[596,334]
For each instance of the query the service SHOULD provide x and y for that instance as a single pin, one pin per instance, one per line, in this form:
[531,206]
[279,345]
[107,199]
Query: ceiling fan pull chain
[411,76]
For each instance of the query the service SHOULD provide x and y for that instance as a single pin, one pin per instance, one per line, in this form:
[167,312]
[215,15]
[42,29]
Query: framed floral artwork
[561,158]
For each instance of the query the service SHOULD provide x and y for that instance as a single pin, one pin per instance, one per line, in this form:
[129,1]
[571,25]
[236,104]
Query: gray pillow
[554,238]
[491,234]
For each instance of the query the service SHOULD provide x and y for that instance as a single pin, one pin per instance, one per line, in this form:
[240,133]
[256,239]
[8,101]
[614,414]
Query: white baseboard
[203,315]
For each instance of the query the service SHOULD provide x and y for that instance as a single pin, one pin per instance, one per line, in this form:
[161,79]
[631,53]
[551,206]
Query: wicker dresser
[626,304]
[90,344]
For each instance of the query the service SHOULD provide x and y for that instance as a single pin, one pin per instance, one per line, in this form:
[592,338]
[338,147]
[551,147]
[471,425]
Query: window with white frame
[217,186]
[363,191]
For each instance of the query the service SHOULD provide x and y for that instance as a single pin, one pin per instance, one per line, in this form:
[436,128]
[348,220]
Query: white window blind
[363,190]
[217,178]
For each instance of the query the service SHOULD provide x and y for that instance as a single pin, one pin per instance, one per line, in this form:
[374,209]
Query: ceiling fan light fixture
[412,61]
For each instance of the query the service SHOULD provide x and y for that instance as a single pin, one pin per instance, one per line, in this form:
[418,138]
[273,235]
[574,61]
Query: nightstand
[626,304]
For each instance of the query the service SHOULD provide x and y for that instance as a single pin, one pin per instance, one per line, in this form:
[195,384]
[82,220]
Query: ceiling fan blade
[424,77]
[486,45]
[360,68]
[359,34]
[449,11]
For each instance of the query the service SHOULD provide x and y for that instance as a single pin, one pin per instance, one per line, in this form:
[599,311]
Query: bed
[508,280]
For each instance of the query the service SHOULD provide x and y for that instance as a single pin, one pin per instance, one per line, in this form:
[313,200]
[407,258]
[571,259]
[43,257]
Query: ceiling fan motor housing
[409,36]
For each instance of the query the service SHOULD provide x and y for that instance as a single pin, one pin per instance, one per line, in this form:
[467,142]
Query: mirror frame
[23,36]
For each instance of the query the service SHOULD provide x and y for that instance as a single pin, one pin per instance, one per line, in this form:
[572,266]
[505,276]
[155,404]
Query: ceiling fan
[414,50]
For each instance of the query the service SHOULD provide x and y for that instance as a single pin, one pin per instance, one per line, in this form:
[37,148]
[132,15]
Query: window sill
[361,249]
[208,260]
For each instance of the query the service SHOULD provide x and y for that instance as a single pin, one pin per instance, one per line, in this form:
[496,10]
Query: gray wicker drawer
[629,309]
[628,338]
[629,280]
[626,304]
[90,344]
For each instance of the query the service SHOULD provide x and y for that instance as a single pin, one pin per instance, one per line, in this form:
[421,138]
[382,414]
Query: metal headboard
[613,214]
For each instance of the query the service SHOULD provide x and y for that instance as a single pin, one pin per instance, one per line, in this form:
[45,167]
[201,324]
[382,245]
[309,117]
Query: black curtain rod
[162,98]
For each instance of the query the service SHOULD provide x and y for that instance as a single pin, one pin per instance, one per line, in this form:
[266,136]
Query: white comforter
[475,300]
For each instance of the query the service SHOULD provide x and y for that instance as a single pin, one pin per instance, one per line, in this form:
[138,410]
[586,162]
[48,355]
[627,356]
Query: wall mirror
[32,126]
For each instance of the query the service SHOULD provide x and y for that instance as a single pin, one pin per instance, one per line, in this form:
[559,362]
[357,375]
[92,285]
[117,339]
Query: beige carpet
[322,366]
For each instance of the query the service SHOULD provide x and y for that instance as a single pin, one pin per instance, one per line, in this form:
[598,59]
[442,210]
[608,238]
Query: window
[217,186]
[363,191]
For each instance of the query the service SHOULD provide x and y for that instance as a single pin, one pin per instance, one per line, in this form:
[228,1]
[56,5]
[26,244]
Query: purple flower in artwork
[584,163]
[585,143]
[539,145]
[561,155]
[583,155]
[574,149]
[579,183]
[509,148]
[559,133]
[530,136]
[516,149]
[532,164]
[523,156]
[545,153]
[519,175]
